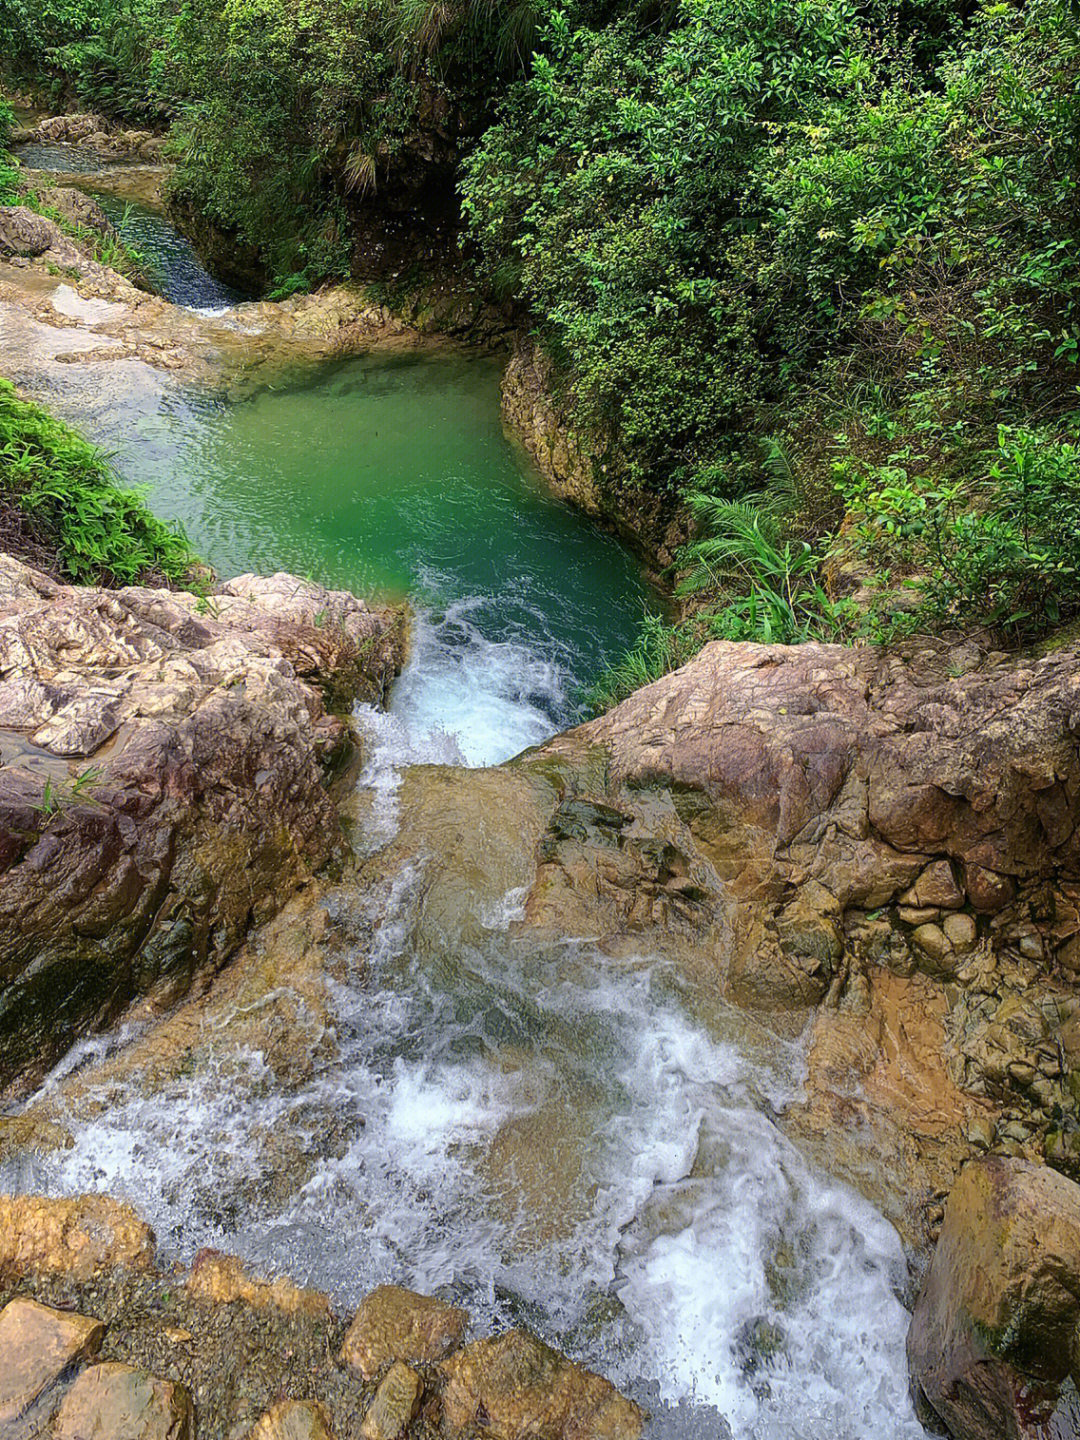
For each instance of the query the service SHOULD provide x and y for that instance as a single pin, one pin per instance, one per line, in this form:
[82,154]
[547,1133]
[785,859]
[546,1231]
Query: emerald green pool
[395,477]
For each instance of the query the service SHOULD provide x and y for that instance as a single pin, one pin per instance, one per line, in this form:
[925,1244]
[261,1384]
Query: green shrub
[100,532]
[1003,552]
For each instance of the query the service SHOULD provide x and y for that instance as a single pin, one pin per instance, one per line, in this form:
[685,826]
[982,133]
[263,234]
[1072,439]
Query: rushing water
[169,256]
[588,1150]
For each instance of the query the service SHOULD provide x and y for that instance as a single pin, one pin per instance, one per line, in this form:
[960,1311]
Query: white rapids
[549,1140]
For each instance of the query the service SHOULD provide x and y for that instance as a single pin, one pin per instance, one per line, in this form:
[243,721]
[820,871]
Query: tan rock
[293,1420]
[881,1108]
[222,1279]
[936,887]
[118,1402]
[913,915]
[961,932]
[515,1386]
[81,1237]
[37,1345]
[932,945]
[396,1324]
[993,1335]
[395,1405]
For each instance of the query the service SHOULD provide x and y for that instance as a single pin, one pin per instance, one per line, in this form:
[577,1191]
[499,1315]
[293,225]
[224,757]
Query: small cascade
[173,266]
[552,1143]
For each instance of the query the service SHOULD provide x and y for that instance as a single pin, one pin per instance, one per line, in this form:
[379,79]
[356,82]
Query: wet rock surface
[111,1400]
[169,1360]
[79,1237]
[653,525]
[892,844]
[163,781]
[38,1347]
[293,1420]
[515,1386]
[396,1325]
[993,1336]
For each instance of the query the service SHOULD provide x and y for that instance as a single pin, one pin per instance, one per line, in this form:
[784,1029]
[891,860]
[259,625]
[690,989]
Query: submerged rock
[994,1333]
[163,782]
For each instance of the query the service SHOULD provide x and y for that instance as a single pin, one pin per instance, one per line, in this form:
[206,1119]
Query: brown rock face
[110,1401]
[395,1324]
[81,1237]
[162,782]
[515,1387]
[835,764]
[994,1332]
[37,1345]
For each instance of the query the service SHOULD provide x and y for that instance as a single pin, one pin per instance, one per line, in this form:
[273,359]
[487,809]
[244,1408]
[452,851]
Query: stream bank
[420,281]
[785,904]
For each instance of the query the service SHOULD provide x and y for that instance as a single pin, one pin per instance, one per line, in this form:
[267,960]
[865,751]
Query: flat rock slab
[37,1346]
[118,1402]
[394,1324]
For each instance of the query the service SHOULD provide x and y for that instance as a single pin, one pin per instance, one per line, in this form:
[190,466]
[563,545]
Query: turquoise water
[393,477]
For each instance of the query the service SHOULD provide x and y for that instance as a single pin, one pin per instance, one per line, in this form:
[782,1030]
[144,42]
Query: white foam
[495,698]
[704,1227]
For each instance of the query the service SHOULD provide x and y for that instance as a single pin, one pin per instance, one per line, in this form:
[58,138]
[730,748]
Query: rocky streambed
[698,1040]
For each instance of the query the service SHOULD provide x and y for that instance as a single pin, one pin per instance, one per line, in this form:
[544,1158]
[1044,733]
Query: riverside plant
[98,531]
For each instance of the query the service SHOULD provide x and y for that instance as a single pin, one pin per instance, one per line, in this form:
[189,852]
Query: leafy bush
[1004,552]
[99,531]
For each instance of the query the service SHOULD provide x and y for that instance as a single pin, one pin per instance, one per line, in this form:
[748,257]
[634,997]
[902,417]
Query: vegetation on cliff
[815,266]
[62,509]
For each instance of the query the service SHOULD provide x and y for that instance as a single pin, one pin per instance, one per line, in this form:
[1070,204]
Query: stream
[586,1150]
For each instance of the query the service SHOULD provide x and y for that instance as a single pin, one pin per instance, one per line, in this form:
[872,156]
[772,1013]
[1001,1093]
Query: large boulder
[163,782]
[110,1401]
[996,1330]
[38,1346]
[842,816]
[81,1237]
[24,233]
[848,766]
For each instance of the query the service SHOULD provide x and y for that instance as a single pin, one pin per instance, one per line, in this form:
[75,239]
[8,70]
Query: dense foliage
[813,263]
[71,508]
